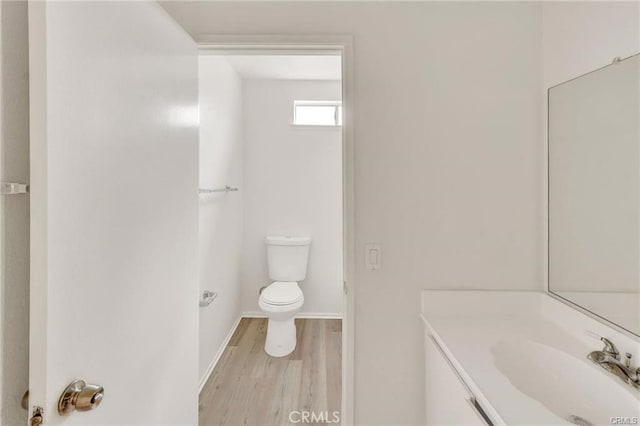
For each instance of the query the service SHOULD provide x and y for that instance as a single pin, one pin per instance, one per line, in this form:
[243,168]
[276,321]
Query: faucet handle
[610,348]
[627,361]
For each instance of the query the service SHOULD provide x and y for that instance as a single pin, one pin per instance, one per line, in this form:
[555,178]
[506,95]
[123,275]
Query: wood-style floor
[248,387]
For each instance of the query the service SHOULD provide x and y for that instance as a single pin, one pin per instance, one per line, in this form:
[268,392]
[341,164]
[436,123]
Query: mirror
[594,214]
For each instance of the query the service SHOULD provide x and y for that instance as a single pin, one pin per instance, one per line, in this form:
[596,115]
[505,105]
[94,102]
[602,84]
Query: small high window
[317,113]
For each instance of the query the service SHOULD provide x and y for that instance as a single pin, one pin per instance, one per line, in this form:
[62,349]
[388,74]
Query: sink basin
[571,388]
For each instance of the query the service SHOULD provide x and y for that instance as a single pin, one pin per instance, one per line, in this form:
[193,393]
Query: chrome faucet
[609,359]
[610,348]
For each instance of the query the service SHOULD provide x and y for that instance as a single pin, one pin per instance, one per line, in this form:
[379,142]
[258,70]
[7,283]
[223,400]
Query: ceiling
[287,67]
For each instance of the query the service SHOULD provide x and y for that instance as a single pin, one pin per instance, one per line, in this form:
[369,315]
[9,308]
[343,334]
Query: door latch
[37,419]
[25,400]
[12,188]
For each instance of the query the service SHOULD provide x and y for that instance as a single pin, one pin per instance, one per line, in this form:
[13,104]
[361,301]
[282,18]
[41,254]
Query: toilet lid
[282,293]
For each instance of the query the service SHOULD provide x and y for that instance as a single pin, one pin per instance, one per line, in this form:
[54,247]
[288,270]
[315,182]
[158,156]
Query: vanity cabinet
[448,400]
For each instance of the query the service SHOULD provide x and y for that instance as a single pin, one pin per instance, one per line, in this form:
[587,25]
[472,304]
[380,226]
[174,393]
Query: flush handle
[79,396]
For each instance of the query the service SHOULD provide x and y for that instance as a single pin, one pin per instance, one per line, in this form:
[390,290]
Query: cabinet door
[448,402]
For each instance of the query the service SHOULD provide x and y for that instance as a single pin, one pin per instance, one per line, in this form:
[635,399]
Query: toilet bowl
[282,299]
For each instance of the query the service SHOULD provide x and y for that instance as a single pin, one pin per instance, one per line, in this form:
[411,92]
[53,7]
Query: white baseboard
[301,315]
[218,355]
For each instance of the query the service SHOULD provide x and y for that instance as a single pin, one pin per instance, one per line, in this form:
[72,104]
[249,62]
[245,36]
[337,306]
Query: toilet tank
[287,257]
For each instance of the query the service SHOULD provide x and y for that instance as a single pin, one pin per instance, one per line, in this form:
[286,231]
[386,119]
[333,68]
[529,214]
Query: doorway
[272,133]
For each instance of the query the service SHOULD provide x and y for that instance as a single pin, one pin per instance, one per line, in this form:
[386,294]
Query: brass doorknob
[79,396]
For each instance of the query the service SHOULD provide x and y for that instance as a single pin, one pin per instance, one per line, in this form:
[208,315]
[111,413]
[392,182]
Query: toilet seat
[281,293]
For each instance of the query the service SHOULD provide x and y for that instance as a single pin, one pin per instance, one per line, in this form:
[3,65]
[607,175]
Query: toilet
[287,259]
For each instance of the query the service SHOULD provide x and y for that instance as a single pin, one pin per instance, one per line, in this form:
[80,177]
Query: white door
[114,211]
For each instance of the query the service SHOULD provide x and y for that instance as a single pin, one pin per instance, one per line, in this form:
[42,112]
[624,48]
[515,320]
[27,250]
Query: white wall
[582,36]
[220,214]
[14,167]
[292,186]
[448,162]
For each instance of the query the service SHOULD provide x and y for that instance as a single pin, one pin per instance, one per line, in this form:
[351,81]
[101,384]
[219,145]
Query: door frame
[321,44]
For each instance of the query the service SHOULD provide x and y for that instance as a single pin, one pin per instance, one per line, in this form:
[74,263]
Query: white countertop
[470,326]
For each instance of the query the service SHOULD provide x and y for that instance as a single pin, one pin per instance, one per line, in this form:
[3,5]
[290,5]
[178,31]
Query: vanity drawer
[448,400]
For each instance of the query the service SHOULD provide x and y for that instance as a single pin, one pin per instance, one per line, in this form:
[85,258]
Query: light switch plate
[372,256]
